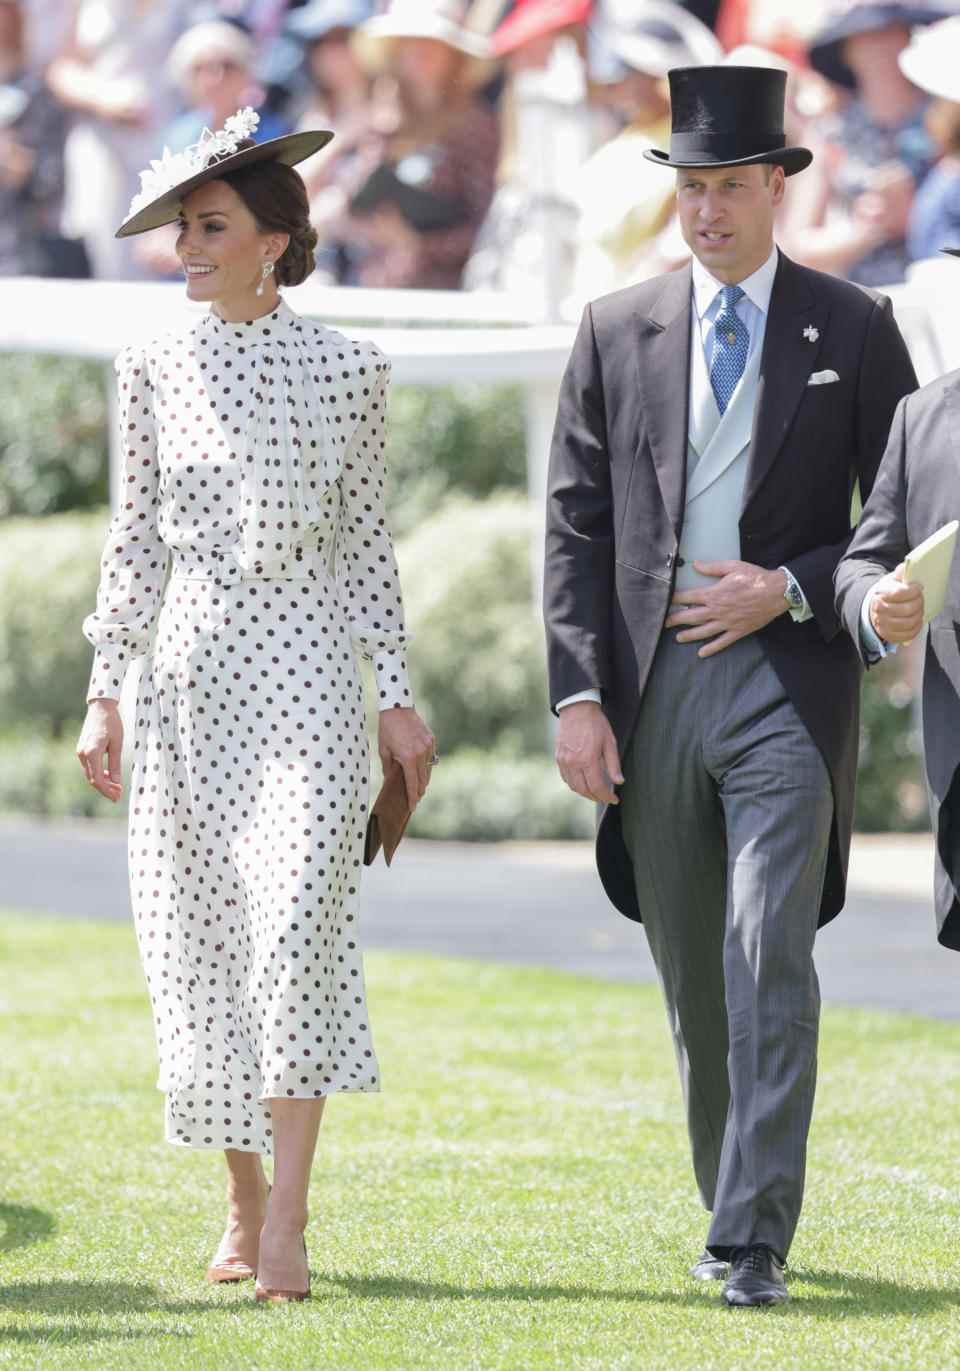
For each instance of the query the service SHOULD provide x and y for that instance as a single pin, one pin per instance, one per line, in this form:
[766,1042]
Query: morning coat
[616,500]
[916,492]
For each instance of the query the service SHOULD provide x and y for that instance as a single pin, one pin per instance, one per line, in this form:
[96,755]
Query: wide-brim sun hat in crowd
[314,21]
[650,37]
[533,19]
[726,116]
[445,21]
[932,60]
[167,182]
[864,16]
[212,40]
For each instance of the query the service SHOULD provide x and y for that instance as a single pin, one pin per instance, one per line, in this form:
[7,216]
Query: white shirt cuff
[593,695]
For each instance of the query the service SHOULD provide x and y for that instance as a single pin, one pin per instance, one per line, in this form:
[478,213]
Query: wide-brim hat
[661,36]
[932,60]
[532,19]
[443,21]
[151,210]
[726,116]
[863,16]
[314,20]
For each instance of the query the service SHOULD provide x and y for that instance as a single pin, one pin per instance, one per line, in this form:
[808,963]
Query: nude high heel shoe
[223,1273]
[228,1272]
[265,1295]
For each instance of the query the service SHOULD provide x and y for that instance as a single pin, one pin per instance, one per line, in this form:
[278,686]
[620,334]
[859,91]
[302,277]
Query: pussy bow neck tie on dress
[289,415]
[731,343]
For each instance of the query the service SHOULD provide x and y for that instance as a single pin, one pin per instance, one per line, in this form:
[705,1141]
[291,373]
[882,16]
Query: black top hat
[728,116]
[864,16]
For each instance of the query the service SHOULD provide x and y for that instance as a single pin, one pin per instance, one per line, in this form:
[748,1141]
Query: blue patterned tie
[731,343]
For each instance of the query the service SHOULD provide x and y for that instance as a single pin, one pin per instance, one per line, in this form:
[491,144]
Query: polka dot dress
[249,563]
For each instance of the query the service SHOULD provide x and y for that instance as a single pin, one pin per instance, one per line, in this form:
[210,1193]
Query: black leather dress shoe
[756,1277]
[709,1268]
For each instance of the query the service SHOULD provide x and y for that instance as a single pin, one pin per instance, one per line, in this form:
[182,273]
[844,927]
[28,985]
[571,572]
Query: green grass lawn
[518,1197]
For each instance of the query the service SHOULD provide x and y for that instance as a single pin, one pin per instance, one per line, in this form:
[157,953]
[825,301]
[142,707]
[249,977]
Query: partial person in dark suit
[917,492]
[711,426]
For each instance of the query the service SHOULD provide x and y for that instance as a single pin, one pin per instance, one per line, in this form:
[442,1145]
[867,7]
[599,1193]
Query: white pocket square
[823,378]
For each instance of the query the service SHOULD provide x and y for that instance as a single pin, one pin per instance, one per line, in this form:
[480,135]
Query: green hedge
[477,796]
[891,795]
[54,440]
[48,582]
[41,775]
[53,434]
[478,659]
[468,441]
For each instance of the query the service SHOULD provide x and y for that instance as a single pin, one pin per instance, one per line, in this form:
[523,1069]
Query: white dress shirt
[753,310]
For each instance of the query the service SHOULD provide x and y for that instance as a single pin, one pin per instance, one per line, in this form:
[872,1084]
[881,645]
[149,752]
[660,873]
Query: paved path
[537,904]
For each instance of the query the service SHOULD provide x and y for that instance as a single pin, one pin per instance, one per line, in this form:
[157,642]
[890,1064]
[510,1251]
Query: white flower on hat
[173,168]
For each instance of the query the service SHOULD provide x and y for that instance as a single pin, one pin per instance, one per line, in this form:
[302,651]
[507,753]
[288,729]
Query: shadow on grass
[67,1337]
[95,1297]
[98,1298]
[23,1224]
[845,1295]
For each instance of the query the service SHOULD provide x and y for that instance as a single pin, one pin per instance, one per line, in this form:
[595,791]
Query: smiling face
[726,216]
[223,251]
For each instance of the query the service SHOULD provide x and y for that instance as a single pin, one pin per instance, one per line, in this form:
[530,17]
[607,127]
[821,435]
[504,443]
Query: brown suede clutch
[388,817]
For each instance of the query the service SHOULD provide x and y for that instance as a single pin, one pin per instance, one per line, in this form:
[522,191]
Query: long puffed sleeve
[134,562]
[366,566]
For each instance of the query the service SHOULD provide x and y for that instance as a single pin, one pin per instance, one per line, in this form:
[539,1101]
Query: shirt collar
[758,288]
[267,328]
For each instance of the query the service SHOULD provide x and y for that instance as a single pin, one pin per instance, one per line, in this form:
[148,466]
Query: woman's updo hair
[277,198]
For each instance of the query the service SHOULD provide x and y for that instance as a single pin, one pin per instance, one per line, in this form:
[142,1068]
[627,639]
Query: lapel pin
[811,334]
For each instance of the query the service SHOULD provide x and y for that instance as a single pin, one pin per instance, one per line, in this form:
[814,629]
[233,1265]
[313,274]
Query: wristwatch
[793,595]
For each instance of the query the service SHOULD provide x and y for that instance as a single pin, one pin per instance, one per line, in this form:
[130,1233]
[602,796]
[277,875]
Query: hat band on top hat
[704,148]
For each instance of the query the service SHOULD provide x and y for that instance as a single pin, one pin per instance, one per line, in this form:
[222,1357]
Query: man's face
[726,216]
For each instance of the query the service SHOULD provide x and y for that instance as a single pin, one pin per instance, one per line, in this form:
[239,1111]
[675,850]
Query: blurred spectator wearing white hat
[623,202]
[212,65]
[433,155]
[109,76]
[932,63]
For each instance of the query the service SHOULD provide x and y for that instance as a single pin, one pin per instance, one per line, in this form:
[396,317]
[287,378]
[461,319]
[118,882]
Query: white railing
[434,338]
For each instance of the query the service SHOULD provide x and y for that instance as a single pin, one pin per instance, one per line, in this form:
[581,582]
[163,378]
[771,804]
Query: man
[916,493]
[710,428]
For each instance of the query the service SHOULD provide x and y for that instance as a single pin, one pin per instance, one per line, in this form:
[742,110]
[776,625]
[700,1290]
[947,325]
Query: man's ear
[778,185]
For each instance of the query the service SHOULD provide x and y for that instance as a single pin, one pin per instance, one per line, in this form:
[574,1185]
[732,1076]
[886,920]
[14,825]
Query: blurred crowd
[480,143]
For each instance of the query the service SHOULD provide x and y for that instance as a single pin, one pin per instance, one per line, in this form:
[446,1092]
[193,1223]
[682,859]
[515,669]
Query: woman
[110,81]
[254,464]
[878,149]
[931,63]
[212,65]
[423,182]
[339,95]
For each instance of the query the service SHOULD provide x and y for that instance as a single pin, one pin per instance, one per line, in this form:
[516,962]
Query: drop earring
[265,272]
